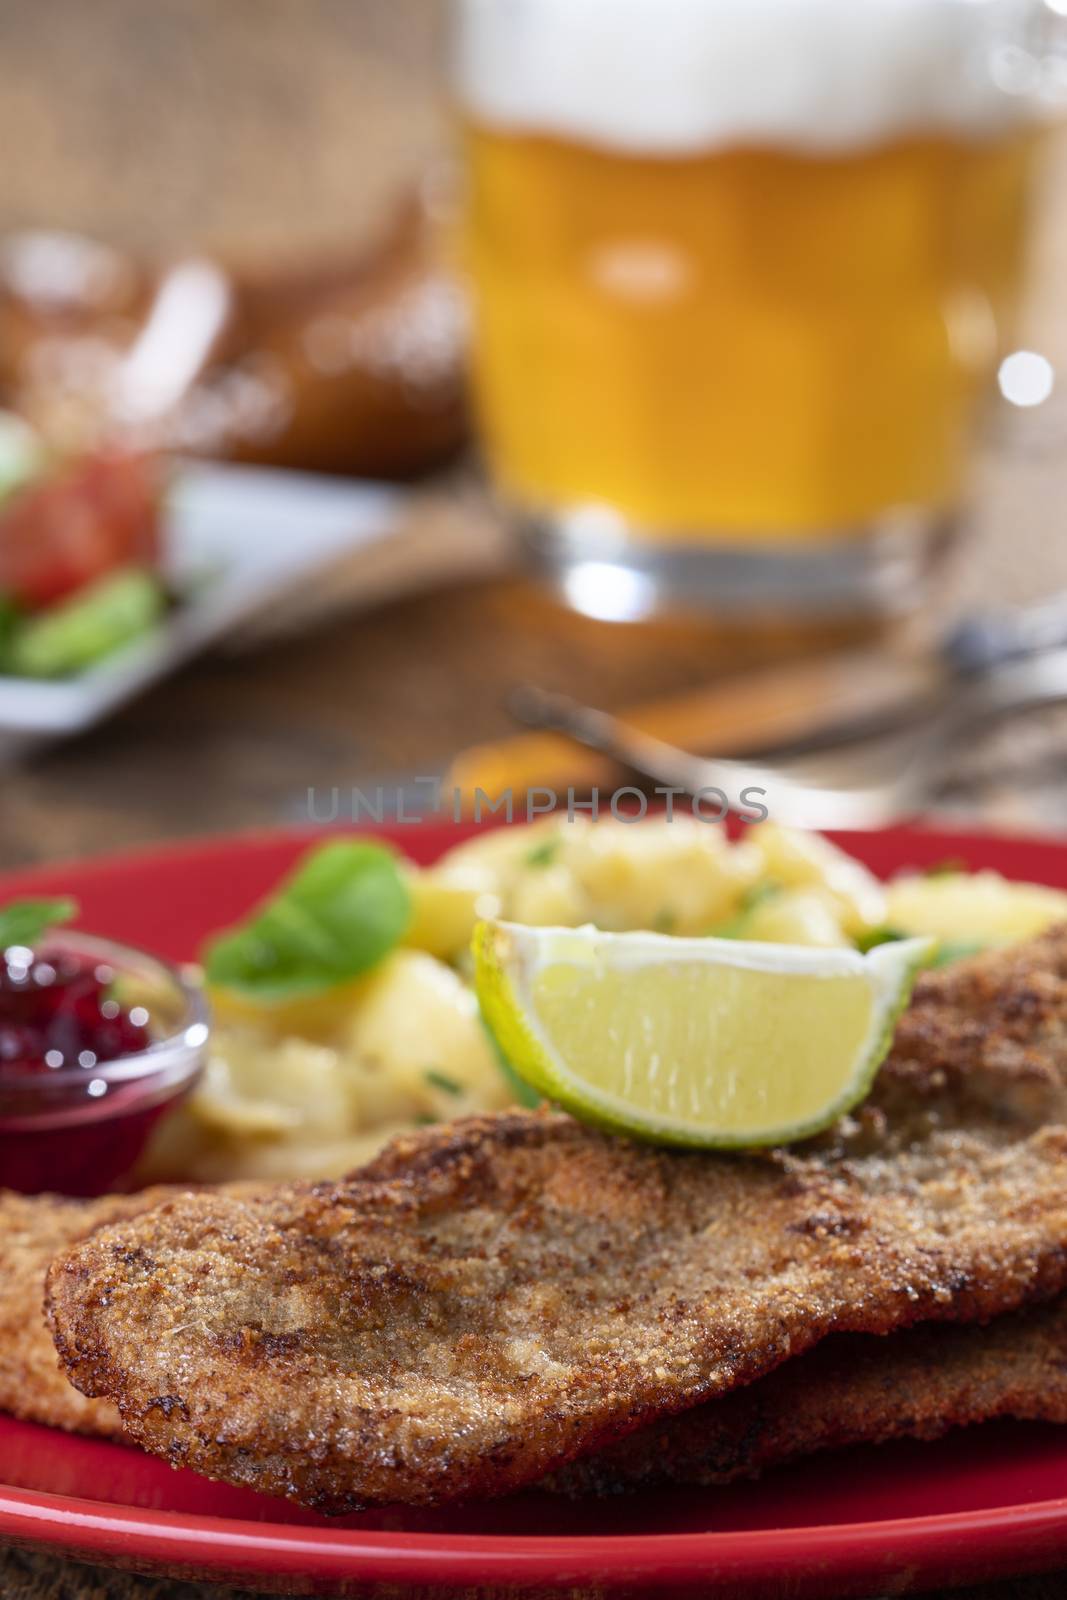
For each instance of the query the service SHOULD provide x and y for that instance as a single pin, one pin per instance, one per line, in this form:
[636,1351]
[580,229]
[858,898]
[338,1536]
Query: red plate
[975,1505]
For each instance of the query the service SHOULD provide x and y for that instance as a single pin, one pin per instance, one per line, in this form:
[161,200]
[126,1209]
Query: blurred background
[268,190]
[276,127]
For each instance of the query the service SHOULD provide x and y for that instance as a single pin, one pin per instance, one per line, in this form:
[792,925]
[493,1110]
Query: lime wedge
[705,1042]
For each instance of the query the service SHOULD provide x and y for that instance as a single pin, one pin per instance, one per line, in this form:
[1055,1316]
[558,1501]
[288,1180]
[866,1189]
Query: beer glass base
[600,566]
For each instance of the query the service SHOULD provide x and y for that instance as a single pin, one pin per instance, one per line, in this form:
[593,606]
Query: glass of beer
[742,271]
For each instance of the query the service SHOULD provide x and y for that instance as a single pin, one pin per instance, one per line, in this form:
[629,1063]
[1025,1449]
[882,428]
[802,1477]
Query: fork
[917,762]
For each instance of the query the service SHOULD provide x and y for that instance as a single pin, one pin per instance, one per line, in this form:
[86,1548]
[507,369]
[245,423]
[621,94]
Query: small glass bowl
[79,1130]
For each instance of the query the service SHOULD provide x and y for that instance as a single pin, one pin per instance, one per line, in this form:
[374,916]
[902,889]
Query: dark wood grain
[34,1577]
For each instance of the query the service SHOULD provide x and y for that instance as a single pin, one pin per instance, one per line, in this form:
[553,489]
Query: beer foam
[678,75]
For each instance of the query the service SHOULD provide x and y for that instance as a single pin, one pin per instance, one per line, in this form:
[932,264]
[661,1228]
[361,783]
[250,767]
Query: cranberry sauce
[57,1010]
[66,1124]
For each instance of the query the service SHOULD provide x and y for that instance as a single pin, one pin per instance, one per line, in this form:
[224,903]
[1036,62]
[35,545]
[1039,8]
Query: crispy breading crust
[34,1228]
[498,1298]
[851,1389]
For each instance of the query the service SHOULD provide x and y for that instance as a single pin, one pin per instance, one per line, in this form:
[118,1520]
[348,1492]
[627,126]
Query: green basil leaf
[343,909]
[24,921]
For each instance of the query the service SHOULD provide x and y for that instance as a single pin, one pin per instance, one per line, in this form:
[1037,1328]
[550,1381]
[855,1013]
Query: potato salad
[344,1010]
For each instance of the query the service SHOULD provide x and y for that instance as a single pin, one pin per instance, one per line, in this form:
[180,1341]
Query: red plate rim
[1013,1537]
[175,1536]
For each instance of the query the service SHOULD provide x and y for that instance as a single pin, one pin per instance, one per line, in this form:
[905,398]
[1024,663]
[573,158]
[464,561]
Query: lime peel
[708,1043]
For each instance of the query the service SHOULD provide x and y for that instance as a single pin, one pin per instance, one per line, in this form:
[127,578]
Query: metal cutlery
[877,787]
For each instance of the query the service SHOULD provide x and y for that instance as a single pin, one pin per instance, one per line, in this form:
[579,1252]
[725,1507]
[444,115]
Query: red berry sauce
[56,1011]
[63,1124]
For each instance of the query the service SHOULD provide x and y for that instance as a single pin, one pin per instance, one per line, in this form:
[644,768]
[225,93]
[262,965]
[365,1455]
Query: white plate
[236,539]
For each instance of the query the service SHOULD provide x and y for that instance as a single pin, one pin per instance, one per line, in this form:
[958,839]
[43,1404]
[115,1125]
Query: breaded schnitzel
[494,1299]
[851,1389]
[33,1228]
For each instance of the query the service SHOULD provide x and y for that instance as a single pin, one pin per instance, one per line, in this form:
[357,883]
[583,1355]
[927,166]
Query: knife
[788,709]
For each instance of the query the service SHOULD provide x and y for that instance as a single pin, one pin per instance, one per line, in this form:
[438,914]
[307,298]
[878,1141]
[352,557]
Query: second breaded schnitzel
[495,1299]
[851,1389]
[34,1228]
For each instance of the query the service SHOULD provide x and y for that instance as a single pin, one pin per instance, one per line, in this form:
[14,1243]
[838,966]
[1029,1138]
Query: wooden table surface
[237,741]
